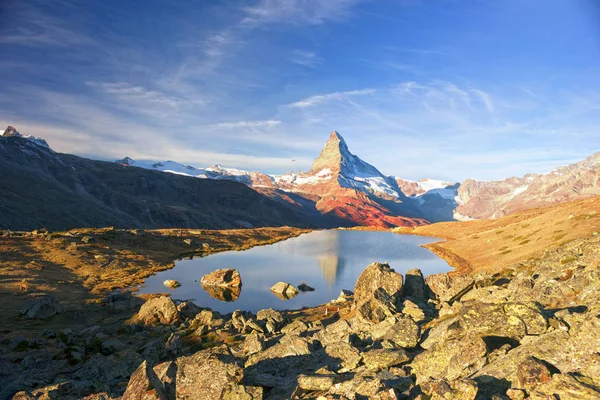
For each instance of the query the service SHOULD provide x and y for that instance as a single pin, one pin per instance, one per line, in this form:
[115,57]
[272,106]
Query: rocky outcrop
[227,277]
[158,311]
[42,308]
[377,292]
[526,332]
[284,290]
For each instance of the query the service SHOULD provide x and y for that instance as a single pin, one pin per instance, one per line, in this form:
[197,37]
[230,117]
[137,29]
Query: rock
[284,290]
[88,239]
[385,358]
[158,311]
[273,320]
[515,394]
[172,284]
[187,309]
[405,332]
[167,373]
[532,372]
[120,301]
[414,286]
[413,310]
[111,346]
[296,328]
[144,385]
[254,343]
[460,389]
[228,277]
[565,386]
[189,242]
[303,287]
[349,355]
[212,374]
[377,292]
[449,289]
[173,345]
[345,295]
[451,359]
[315,382]
[338,332]
[42,308]
[288,346]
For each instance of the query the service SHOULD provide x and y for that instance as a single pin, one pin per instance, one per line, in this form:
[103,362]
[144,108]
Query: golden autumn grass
[78,274]
[490,245]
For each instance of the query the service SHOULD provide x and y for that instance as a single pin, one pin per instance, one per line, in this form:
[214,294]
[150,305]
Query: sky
[444,89]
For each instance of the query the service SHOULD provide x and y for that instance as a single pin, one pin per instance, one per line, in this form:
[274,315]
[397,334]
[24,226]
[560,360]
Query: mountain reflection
[331,265]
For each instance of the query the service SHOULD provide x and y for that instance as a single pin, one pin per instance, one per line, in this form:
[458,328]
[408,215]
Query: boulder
[284,290]
[447,288]
[315,382]
[385,358]
[349,355]
[271,319]
[303,287]
[172,284]
[212,374]
[405,332]
[532,372]
[187,309]
[144,384]
[158,311]
[566,386]
[42,308]
[227,277]
[254,343]
[451,359]
[377,292]
[414,286]
[460,389]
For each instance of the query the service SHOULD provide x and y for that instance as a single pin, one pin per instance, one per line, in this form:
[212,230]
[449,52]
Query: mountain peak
[12,132]
[333,154]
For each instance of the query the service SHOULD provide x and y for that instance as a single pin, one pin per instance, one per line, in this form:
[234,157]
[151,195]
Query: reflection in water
[330,265]
[328,261]
[223,293]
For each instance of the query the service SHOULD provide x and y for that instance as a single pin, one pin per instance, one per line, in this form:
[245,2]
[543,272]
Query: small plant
[568,260]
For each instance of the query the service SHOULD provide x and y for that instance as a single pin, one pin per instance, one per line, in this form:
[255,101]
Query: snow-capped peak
[12,132]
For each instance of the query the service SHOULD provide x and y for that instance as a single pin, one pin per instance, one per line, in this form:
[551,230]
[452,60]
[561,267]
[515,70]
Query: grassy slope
[489,245]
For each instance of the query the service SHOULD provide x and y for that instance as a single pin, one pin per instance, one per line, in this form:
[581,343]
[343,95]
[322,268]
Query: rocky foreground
[530,331]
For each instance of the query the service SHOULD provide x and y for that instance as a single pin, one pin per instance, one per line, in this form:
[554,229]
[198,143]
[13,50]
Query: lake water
[328,261]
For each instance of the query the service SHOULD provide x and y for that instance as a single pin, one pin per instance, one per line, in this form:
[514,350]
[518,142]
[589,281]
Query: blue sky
[445,89]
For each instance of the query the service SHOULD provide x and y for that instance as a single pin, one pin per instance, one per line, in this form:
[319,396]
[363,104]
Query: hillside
[491,245]
[44,189]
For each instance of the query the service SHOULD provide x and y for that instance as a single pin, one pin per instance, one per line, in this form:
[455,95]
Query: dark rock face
[66,192]
[42,308]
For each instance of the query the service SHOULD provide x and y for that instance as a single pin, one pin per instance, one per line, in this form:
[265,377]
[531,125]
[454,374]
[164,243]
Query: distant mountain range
[339,190]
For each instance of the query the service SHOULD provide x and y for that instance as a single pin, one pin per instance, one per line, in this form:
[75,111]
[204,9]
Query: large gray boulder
[447,288]
[42,308]
[158,311]
[377,292]
[212,374]
[144,384]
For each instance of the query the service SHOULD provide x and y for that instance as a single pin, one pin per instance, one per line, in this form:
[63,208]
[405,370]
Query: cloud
[318,99]
[485,98]
[247,124]
[304,58]
[298,12]
[137,94]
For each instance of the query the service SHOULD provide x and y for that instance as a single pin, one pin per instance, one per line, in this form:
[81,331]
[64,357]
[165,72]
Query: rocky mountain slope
[41,188]
[528,331]
[483,200]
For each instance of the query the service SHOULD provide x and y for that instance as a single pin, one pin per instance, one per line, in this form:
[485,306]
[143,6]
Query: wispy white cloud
[247,124]
[298,12]
[305,58]
[318,99]
[138,94]
[485,98]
